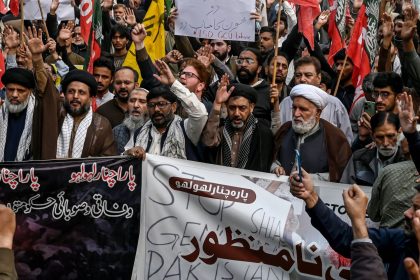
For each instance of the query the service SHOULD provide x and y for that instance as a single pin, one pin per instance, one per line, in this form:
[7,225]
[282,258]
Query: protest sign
[214,19]
[65,10]
[76,219]
[203,221]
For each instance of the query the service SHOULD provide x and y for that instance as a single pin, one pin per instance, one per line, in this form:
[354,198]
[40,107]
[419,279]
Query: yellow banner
[155,40]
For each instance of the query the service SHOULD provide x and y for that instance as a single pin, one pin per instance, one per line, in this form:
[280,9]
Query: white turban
[314,94]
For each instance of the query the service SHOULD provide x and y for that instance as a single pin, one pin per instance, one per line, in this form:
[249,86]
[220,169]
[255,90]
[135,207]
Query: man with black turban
[243,142]
[83,133]
[23,125]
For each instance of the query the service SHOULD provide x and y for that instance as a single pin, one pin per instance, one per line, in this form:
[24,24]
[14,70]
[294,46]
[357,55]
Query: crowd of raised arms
[250,105]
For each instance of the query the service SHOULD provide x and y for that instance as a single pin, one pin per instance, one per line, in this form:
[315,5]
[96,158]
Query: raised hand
[165,75]
[106,5]
[174,56]
[129,17]
[223,94]
[138,34]
[355,202]
[387,25]
[410,24]
[10,37]
[65,33]
[322,19]
[35,44]
[405,109]
[205,55]
[54,6]
[172,17]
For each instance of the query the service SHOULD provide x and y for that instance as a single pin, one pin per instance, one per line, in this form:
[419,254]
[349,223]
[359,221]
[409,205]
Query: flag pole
[341,74]
[22,25]
[43,19]
[276,47]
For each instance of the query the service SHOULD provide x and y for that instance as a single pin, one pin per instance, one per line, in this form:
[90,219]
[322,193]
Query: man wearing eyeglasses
[166,133]
[387,88]
[249,65]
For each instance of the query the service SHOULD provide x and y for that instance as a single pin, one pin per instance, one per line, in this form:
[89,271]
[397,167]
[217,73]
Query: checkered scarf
[244,149]
[25,138]
[63,141]
[174,146]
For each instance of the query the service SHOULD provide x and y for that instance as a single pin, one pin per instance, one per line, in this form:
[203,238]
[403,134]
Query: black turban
[244,91]
[19,76]
[80,76]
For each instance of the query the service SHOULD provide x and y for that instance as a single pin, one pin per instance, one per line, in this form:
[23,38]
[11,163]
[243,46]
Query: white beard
[387,152]
[14,109]
[134,123]
[303,127]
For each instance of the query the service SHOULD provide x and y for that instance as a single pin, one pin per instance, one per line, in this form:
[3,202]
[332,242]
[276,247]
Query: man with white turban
[323,148]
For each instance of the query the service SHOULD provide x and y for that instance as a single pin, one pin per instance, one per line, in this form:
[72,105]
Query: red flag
[3,8]
[336,27]
[14,7]
[357,53]
[95,39]
[2,68]
[308,12]
[86,12]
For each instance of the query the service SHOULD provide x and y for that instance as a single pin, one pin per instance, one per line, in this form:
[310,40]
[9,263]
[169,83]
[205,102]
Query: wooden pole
[22,25]
[340,75]
[43,19]
[276,47]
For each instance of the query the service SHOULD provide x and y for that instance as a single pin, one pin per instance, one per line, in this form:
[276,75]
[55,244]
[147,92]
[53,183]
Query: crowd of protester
[235,104]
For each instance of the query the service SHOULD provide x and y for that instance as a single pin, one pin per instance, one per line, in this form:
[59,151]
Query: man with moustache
[393,245]
[125,80]
[120,37]
[125,134]
[242,141]
[16,115]
[221,50]
[30,113]
[323,148]
[388,86]
[83,133]
[249,65]
[103,71]
[308,71]
[166,133]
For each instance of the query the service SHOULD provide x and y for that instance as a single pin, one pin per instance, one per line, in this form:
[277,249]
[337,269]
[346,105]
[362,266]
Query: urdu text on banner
[203,221]
[215,19]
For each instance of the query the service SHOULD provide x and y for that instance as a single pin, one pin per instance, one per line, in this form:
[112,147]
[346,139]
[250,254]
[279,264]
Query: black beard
[221,57]
[123,99]
[79,112]
[166,120]
[245,76]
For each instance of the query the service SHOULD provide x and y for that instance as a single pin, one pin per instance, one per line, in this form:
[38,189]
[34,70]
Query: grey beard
[134,123]
[14,109]
[305,127]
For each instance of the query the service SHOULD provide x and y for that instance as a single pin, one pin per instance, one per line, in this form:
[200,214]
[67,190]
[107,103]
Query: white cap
[314,94]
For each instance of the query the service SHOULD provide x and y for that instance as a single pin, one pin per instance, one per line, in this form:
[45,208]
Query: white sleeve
[197,113]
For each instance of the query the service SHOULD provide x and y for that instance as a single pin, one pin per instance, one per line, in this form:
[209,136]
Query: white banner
[215,19]
[65,10]
[201,221]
